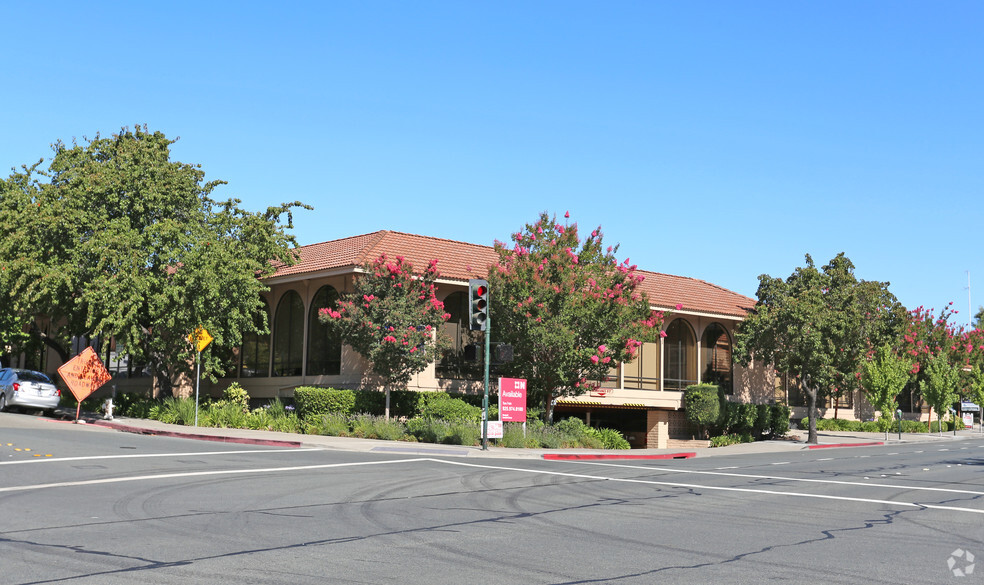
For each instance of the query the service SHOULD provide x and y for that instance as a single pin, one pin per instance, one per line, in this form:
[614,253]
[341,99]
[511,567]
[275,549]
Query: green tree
[979,318]
[114,239]
[391,319]
[975,389]
[568,307]
[818,325]
[882,379]
[939,387]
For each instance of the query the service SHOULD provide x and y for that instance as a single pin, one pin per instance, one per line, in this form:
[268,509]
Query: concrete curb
[195,436]
[594,457]
[830,446]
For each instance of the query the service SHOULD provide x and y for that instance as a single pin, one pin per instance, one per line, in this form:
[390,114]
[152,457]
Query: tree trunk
[549,408]
[811,393]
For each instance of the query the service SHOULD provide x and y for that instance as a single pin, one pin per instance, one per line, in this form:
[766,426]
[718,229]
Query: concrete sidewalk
[795,441]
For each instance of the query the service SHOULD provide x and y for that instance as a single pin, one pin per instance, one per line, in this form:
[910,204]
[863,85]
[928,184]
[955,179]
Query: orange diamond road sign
[200,338]
[84,374]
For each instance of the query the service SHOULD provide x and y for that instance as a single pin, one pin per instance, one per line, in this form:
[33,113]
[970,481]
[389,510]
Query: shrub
[223,414]
[732,439]
[443,406]
[369,426]
[912,426]
[778,420]
[312,402]
[329,425]
[133,405]
[702,406]
[178,411]
[612,439]
[739,418]
[236,394]
[512,436]
[369,401]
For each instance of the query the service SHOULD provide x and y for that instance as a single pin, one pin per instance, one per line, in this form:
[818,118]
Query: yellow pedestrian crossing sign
[200,338]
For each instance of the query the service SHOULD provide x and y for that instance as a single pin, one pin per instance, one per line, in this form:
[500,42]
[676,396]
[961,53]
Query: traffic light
[478,304]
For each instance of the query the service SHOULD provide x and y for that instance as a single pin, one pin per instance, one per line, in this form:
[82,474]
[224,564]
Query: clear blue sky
[717,140]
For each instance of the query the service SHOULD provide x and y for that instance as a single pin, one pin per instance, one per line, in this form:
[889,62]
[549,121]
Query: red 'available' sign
[512,399]
[84,374]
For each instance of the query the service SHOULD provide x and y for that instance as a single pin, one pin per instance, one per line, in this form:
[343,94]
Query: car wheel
[3,403]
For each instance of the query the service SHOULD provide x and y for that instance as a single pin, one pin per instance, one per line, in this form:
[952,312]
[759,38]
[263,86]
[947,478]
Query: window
[643,372]
[255,356]
[715,348]
[288,335]
[680,349]
[324,347]
[453,364]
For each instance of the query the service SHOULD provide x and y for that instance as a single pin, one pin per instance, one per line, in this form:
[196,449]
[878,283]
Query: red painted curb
[845,445]
[198,437]
[574,456]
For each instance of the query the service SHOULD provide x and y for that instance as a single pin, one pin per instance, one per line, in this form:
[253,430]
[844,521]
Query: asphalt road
[88,505]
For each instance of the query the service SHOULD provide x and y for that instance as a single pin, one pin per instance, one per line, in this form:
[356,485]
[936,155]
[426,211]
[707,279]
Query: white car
[27,389]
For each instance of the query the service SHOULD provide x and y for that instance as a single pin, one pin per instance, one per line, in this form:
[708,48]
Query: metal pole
[198,379]
[485,397]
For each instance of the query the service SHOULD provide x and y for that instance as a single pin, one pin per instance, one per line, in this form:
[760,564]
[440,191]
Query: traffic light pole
[485,397]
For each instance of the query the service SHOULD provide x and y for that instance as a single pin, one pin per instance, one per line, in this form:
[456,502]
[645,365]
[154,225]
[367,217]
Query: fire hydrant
[108,408]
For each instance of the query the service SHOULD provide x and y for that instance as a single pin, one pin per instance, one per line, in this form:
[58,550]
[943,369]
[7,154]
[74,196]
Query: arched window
[715,351]
[324,346]
[453,363]
[288,335]
[255,355]
[680,355]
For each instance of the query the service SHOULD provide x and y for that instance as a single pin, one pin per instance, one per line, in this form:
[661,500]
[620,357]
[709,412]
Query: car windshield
[29,376]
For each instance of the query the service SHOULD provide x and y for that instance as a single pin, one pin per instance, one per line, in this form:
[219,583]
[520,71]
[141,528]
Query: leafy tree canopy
[819,325]
[116,239]
[883,378]
[568,307]
[391,319]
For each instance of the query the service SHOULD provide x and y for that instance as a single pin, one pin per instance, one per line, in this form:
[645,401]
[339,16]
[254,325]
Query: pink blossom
[602,349]
[679,306]
[594,359]
[568,214]
[662,333]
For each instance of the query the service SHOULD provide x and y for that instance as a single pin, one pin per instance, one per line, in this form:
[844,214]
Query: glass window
[255,354]
[288,335]
[453,364]
[715,348]
[324,346]
[643,372]
[680,352]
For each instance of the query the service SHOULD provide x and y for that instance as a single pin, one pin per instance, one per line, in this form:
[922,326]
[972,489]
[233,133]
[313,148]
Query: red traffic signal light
[478,303]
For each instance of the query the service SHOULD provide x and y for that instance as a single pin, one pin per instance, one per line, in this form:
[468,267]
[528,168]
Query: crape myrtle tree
[568,307]
[819,325]
[114,239]
[927,337]
[391,319]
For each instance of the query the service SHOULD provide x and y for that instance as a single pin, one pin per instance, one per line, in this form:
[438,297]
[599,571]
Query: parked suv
[27,389]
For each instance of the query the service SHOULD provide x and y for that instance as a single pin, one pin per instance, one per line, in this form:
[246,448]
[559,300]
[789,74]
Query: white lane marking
[717,488]
[142,455]
[729,467]
[20,488]
[782,478]
[826,459]
[780,463]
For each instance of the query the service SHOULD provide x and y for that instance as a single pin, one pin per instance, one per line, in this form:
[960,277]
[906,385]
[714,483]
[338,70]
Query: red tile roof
[461,261]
